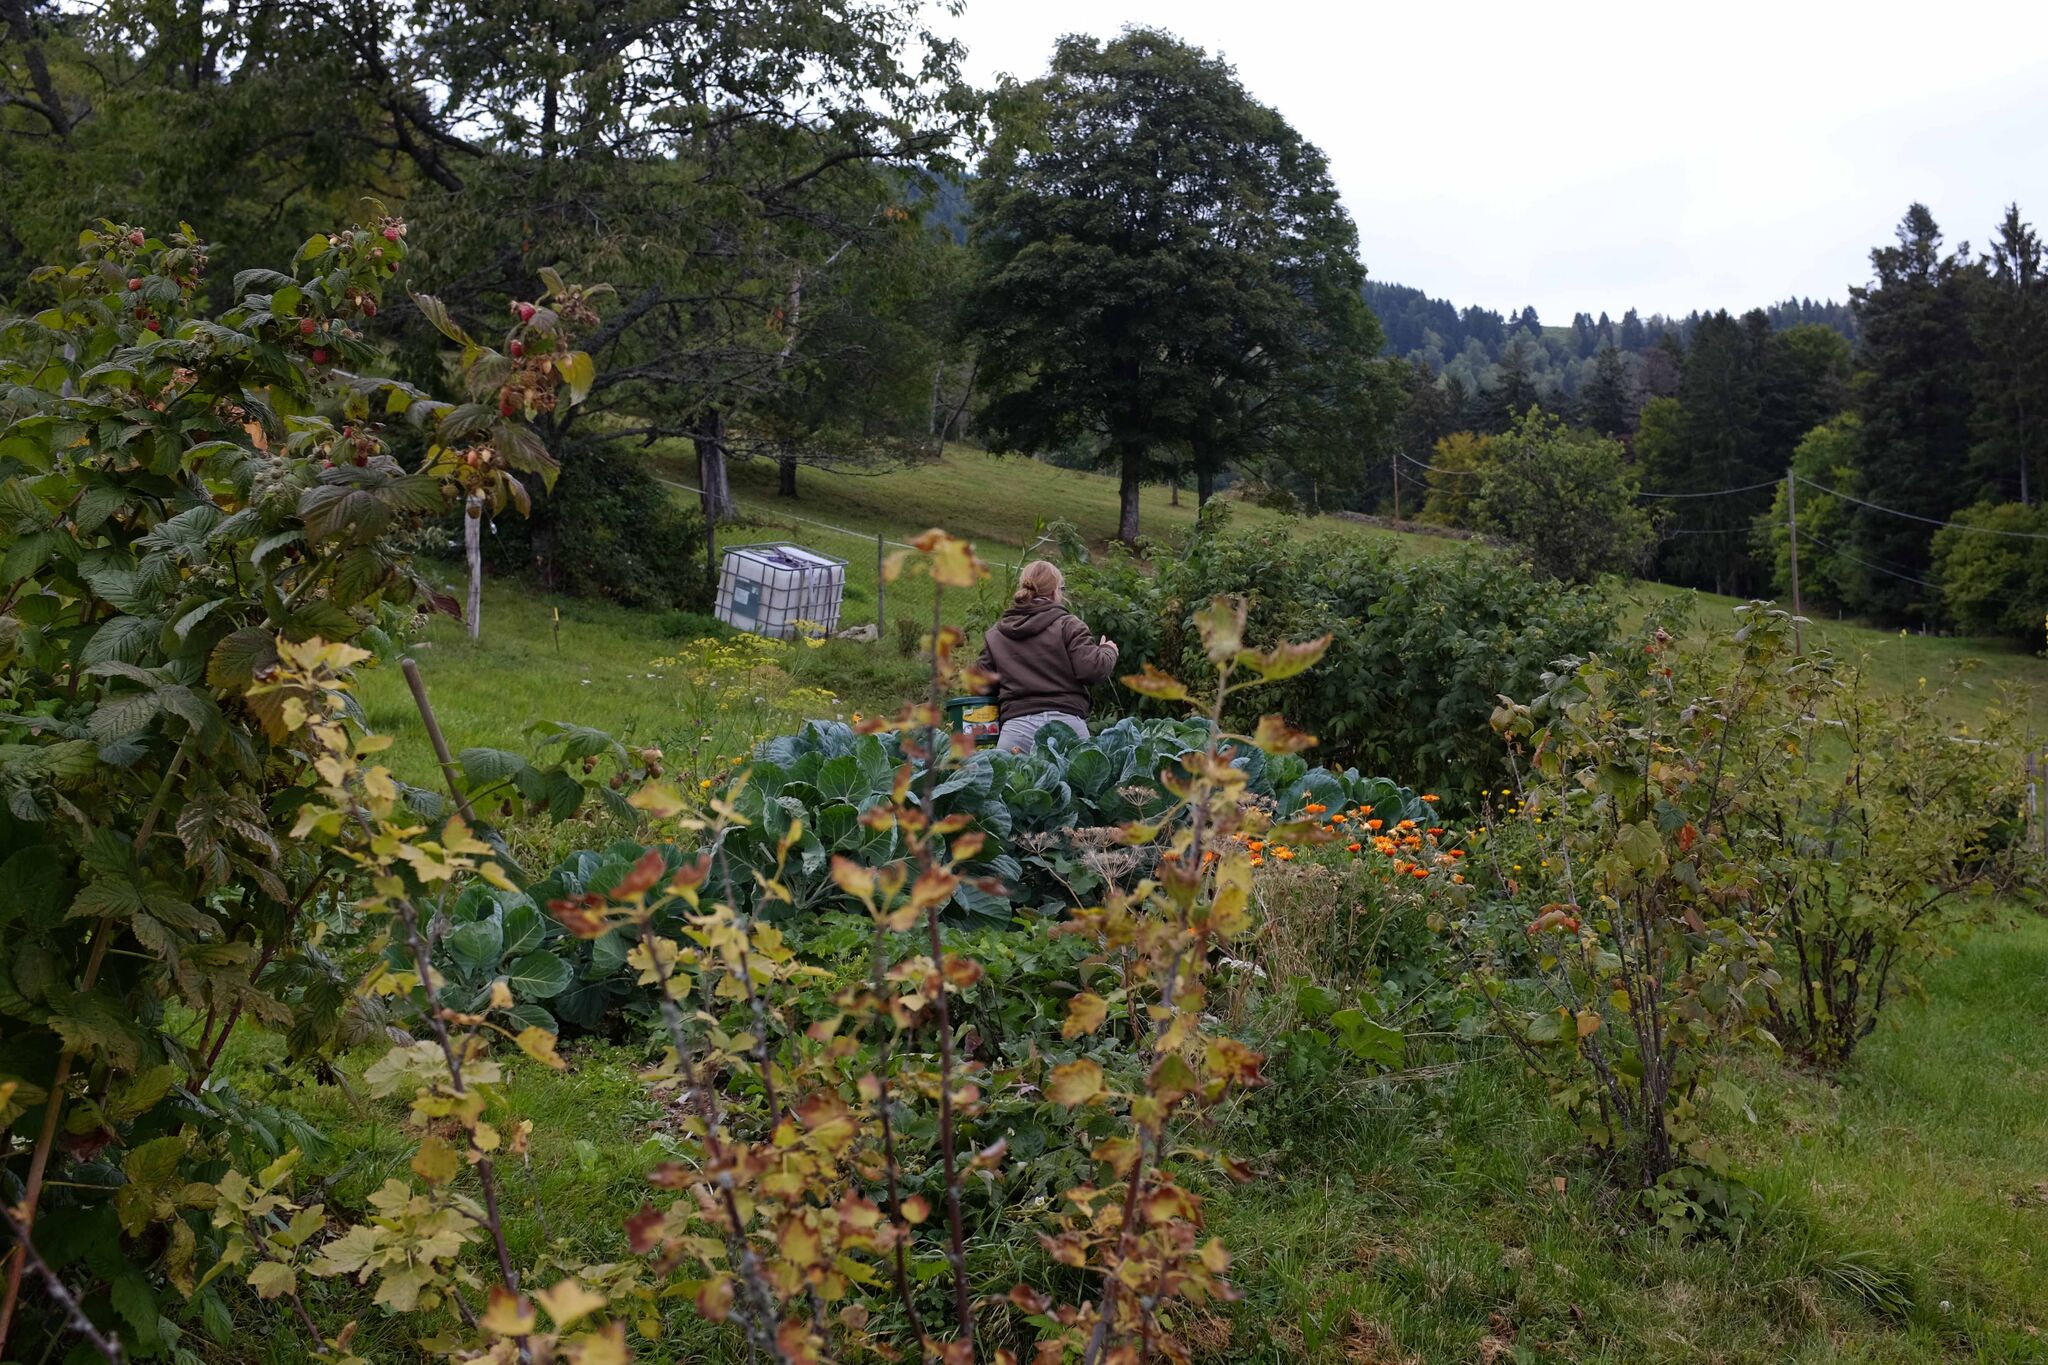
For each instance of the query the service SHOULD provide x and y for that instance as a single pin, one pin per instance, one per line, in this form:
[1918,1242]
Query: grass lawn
[1473,1228]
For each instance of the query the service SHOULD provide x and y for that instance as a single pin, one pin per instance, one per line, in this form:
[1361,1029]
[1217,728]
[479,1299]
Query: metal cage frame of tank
[769,588]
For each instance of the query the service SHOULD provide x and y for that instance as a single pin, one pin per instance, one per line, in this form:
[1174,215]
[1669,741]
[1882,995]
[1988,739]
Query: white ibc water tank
[777,590]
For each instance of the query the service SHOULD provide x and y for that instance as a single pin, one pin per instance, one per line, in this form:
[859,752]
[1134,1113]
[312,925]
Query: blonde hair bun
[1041,578]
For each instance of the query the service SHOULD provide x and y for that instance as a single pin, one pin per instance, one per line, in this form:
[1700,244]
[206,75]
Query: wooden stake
[436,738]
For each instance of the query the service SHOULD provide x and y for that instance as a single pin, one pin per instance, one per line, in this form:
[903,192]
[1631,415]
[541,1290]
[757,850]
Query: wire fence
[900,612]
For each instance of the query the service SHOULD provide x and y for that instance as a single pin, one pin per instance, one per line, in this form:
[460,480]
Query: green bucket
[974,716]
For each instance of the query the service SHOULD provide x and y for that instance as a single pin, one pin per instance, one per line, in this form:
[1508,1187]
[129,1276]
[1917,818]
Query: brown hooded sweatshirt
[1044,660]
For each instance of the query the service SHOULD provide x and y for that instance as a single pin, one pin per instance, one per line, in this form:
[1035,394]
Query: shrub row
[1421,651]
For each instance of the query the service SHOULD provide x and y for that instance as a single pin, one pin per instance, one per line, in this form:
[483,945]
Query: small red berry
[135,283]
[526,311]
[135,238]
[305,327]
[153,325]
[518,349]
[327,464]
[369,309]
[391,234]
[392,267]
[319,355]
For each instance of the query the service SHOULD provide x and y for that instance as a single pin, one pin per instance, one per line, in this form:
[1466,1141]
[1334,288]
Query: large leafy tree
[1914,398]
[723,161]
[1567,497]
[1167,267]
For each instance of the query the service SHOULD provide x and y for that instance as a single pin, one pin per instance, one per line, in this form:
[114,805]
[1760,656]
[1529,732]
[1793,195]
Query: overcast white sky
[1589,156]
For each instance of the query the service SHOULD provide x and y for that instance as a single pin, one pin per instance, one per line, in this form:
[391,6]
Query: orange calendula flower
[1339,818]
[1314,808]
[1353,847]
[1257,861]
[1418,872]
[1430,797]
[1284,854]
[1374,824]
[1256,845]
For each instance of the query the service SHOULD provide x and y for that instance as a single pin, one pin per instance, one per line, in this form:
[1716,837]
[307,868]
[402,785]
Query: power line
[1914,516]
[1717,492]
[1874,568]
[1434,469]
[1713,493]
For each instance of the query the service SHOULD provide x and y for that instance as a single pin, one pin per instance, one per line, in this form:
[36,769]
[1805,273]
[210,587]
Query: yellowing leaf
[714,1298]
[436,1162]
[1222,626]
[854,879]
[658,799]
[537,1043]
[568,1303]
[1287,660]
[1276,736]
[273,1279]
[1150,682]
[605,1346]
[799,1242]
[953,561]
[1074,1083]
[508,1314]
[1085,1013]
[1589,1022]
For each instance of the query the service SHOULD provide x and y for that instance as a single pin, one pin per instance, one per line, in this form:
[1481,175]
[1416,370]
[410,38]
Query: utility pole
[1394,461]
[1792,529]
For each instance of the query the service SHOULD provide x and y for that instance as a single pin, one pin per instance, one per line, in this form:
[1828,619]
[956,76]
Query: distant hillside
[1468,344]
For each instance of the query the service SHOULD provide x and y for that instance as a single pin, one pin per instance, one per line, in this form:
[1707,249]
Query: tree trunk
[473,551]
[711,470]
[1133,461]
[785,477]
[1205,485]
[1173,489]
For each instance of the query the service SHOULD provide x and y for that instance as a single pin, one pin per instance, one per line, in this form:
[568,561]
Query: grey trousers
[1020,734]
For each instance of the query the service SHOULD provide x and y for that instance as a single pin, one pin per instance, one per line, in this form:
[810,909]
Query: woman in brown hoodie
[1044,660]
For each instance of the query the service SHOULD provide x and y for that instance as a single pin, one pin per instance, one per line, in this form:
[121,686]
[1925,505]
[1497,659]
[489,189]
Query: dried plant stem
[25,1253]
[53,1104]
[890,1169]
[759,1316]
[956,1239]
